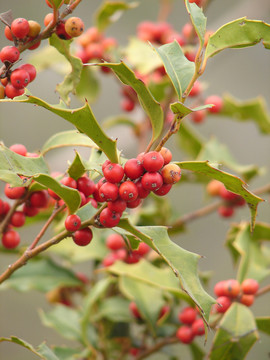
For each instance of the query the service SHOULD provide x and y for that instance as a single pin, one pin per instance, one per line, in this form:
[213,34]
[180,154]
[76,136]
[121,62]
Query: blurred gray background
[244,73]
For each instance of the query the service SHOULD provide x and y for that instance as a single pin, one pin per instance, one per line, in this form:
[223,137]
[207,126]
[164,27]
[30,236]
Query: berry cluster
[231,200]
[231,290]
[191,325]
[119,251]
[93,45]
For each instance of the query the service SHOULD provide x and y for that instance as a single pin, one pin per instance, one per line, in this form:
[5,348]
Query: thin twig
[157,347]
[263,290]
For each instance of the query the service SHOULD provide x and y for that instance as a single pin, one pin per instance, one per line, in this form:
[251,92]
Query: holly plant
[143,294]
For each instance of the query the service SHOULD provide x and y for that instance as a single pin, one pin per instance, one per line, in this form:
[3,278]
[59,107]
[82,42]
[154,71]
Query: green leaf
[182,110]
[149,104]
[109,12]
[56,3]
[64,320]
[82,118]
[231,182]
[215,152]
[72,79]
[263,324]
[143,296]
[42,275]
[237,34]
[246,110]
[196,352]
[236,335]
[46,352]
[115,309]
[77,168]
[254,263]
[179,69]
[18,341]
[88,86]
[183,263]
[144,64]
[66,353]
[70,196]
[67,138]
[198,19]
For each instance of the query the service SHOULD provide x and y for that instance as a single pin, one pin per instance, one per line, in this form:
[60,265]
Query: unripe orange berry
[232,288]
[213,187]
[34,28]
[2,92]
[171,173]
[247,300]
[74,26]
[250,286]
[166,154]
[48,18]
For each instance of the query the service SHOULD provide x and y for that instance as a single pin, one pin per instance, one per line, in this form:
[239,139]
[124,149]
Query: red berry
[48,18]
[106,163]
[134,203]
[92,201]
[96,195]
[82,237]
[196,89]
[163,190]
[225,211]
[198,327]
[226,194]
[225,303]
[109,259]
[152,181]
[120,254]
[8,33]
[53,194]
[94,51]
[219,288]
[166,154]
[143,249]
[232,288]
[14,192]
[5,208]
[250,286]
[108,218]
[10,54]
[72,222]
[30,69]
[188,315]
[113,173]
[18,149]
[185,334]
[164,311]
[127,104]
[12,92]
[20,28]
[133,169]
[216,101]
[83,199]
[198,116]
[132,258]
[39,199]
[142,192]
[115,242]
[10,239]
[213,187]
[30,211]
[108,192]
[134,310]
[18,219]
[118,205]
[171,173]
[128,191]
[69,181]
[187,31]
[153,161]
[247,300]
[86,185]
[61,31]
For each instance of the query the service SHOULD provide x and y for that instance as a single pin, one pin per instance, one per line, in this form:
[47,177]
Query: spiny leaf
[67,138]
[82,118]
[179,69]
[247,110]
[237,34]
[197,18]
[25,344]
[77,168]
[149,104]
[263,324]
[109,12]
[231,182]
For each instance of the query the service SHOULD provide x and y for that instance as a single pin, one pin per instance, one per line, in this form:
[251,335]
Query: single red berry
[30,210]
[82,237]
[134,310]
[14,192]
[39,199]
[109,259]
[133,169]
[198,116]
[106,163]
[223,305]
[92,201]
[115,242]
[134,203]
[48,19]
[108,218]
[127,104]
[94,51]
[10,239]
[187,315]
[20,28]
[166,154]
[10,54]
[72,222]
[219,288]
[152,181]
[12,92]
[185,334]
[196,89]
[18,149]
[226,194]
[113,173]
[216,101]
[128,191]
[18,219]
[163,190]
[86,185]
[153,161]
[171,173]
[8,33]
[5,208]
[132,258]
[69,181]
[232,288]
[61,31]
[142,192]
[108,192]
[250,286]
[143,249]
[119,205]
[197,327]
[247,300]
[225,211]
[30,69]
[96,195]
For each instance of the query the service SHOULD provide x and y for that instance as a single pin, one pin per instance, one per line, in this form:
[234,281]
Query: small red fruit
[113,173]
[115,242]
[142,192]
[185,334]
[127,105]
[250,286]
[225,303]
[10,54]
[134,203]
[30,210]
[128,191]
[219,288]
[14,192]
[247,300]
[143,249]
[134,310]
[152,181]
[18,219]
[86,185]
[19,78]
[20,28]
[216,101]
[225,211]
[153,161]
[232,288]
[166,154]
[108,192]
[198,116]
[82,237]
[108,218]
[39,199]
[30,69]
[69,181]
[8,33]
[11,239]
[163,190]
[12,92]
[19,149]
[188,315]
[72,222]
[133,169]
[118,205]
[198,327]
